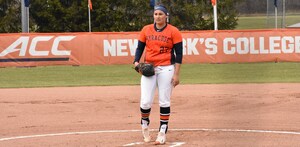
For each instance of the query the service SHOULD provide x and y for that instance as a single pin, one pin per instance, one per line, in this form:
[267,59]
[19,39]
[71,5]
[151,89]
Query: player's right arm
[139,52]
[141,46]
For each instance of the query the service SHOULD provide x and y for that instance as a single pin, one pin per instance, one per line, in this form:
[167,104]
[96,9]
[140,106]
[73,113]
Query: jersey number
[164,49]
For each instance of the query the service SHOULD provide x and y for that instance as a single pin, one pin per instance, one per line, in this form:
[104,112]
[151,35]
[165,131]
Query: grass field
[260,22]
[124,75]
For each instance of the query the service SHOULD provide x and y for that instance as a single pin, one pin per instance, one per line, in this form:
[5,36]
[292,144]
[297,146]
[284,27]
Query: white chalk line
[172,144]
[127,131]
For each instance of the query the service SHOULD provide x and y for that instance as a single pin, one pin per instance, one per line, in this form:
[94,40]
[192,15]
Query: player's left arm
[177,39]
[178,61]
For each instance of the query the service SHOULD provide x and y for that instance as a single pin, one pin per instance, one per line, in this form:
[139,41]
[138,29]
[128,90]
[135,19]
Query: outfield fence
[105,48]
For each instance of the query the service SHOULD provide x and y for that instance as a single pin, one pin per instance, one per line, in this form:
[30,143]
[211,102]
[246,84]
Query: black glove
[145,69]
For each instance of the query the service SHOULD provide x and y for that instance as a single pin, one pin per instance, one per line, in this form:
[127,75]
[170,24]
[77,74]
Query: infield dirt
[207,108]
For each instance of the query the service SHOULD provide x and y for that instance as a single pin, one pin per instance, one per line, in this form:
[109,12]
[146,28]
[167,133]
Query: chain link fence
[284,15]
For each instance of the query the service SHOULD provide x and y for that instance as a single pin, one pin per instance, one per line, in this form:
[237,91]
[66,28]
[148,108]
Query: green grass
[251,22]
[260,22]
[241,73]
[62,76]
[67,76]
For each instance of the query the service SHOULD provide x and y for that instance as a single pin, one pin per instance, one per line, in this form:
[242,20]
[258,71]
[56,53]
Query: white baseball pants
[162,80]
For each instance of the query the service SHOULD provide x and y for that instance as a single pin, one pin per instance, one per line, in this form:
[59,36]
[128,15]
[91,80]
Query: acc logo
[23,41]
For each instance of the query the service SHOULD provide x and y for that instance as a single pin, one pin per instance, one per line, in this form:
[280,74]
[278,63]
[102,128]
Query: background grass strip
[62,76]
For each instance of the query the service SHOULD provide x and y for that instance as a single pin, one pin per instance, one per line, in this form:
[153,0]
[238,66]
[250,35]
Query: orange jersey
[159,45]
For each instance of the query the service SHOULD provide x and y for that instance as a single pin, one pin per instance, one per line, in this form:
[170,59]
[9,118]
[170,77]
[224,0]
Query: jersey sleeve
[142,36]
[177,37]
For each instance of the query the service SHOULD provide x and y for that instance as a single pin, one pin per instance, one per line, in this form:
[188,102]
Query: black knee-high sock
[145,113]
[164,119]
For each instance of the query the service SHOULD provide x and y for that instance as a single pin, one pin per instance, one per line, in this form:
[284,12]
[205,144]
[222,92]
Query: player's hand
[136,64]
[175,80]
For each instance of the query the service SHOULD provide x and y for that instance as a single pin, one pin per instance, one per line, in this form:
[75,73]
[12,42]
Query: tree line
[113,15]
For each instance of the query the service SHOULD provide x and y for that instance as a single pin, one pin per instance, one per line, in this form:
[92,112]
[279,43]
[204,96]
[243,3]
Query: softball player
[162,44]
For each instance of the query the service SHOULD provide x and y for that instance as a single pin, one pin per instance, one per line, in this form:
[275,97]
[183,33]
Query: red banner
[42,49]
